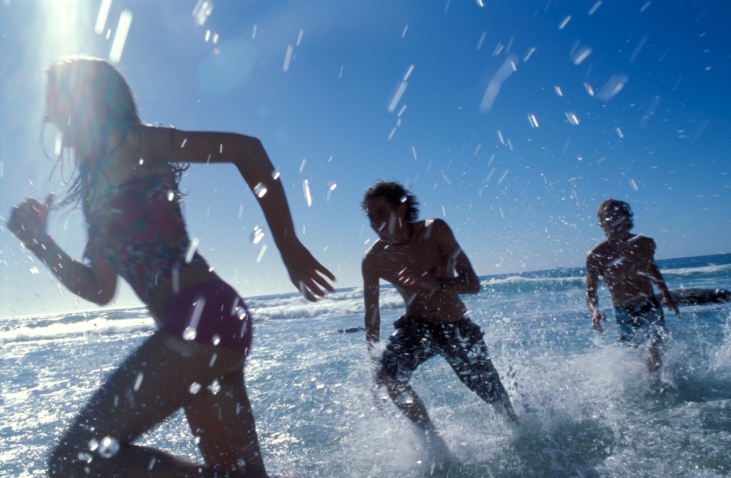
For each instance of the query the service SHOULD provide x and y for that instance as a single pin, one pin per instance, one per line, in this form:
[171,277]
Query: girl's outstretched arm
[96,282]
[161,145]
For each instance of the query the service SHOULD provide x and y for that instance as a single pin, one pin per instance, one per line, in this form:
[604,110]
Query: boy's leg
[152,383]
[406,349]
[466,352]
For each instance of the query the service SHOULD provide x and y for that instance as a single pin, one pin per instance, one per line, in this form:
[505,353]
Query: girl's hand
[305,272]
[28,221]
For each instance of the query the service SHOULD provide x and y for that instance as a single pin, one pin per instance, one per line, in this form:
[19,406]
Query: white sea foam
[588,406]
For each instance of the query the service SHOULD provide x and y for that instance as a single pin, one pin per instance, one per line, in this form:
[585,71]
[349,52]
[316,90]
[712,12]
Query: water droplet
[240,463]
[171,196]
[215,387]
[275,174]
[197,440]
[260,190]
[190,333]
[85,457]
[306,192]
[332,185]
[216,339]
[194,388]
[138,382]
[108,447]
[93,444]
[240,312]
[257,234]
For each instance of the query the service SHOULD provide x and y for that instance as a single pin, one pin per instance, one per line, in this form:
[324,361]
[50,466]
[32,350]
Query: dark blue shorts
[460,343]
[643,323]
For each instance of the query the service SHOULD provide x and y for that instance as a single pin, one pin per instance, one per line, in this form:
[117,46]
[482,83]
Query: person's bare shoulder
[599,250]
[373,252]
[434,229]
[644,246]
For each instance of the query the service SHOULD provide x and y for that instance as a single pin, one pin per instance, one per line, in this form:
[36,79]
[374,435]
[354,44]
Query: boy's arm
[370,298]
[465,281]
[372,323]
[592,284]
[657,279]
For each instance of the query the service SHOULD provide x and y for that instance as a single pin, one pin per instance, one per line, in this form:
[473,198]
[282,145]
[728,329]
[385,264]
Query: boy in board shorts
[424,262]
[626,262]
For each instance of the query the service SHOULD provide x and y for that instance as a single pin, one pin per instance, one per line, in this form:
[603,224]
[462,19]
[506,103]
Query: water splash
[108,447]
[260,190]
[306,192]
[120,38]
[257,234]
[493,87]
[202,11]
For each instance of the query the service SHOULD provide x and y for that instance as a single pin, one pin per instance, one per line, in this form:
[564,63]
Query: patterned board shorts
[643,323]
[460,343]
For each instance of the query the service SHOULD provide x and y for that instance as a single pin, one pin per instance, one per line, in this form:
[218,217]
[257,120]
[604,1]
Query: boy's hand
[670,302]
[418,278]
[596,321]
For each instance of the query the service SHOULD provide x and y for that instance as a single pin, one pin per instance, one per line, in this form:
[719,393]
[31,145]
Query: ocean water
[587,403]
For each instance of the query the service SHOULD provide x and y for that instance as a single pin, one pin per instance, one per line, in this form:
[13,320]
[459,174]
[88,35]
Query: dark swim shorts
[643,323]
[460,343]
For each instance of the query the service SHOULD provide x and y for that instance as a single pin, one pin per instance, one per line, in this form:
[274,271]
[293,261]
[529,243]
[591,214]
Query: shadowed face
[615,223]
[384,217]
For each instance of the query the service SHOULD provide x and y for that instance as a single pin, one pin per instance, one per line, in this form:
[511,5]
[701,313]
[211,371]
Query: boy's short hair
[395,194]
[617,206]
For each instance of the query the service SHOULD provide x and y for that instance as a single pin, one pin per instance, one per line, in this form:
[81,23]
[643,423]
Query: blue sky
[515,119]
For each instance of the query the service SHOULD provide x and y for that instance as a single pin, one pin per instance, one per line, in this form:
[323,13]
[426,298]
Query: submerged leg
[468,356]
[406,400]
[153,382]
[653,359]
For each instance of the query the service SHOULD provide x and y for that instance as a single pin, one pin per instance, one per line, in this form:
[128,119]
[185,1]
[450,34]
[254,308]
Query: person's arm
[372,322]
[371,302]
[464,282]
[96,282]
[592,300]
[250,158]
[657,279]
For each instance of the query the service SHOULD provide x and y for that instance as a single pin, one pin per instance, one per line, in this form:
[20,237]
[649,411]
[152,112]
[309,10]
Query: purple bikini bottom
[210,313]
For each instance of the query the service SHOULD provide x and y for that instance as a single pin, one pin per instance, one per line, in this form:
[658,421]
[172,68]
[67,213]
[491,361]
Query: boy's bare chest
[393,259]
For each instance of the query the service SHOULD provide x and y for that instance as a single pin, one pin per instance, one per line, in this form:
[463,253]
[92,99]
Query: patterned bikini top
[138,227]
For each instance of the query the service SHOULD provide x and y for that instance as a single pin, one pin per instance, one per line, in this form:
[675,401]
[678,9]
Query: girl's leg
[224,423]
[152,383]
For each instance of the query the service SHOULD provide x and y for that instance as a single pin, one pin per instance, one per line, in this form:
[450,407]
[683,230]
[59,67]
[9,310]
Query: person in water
[126,181]
[626,262]
[426,265]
